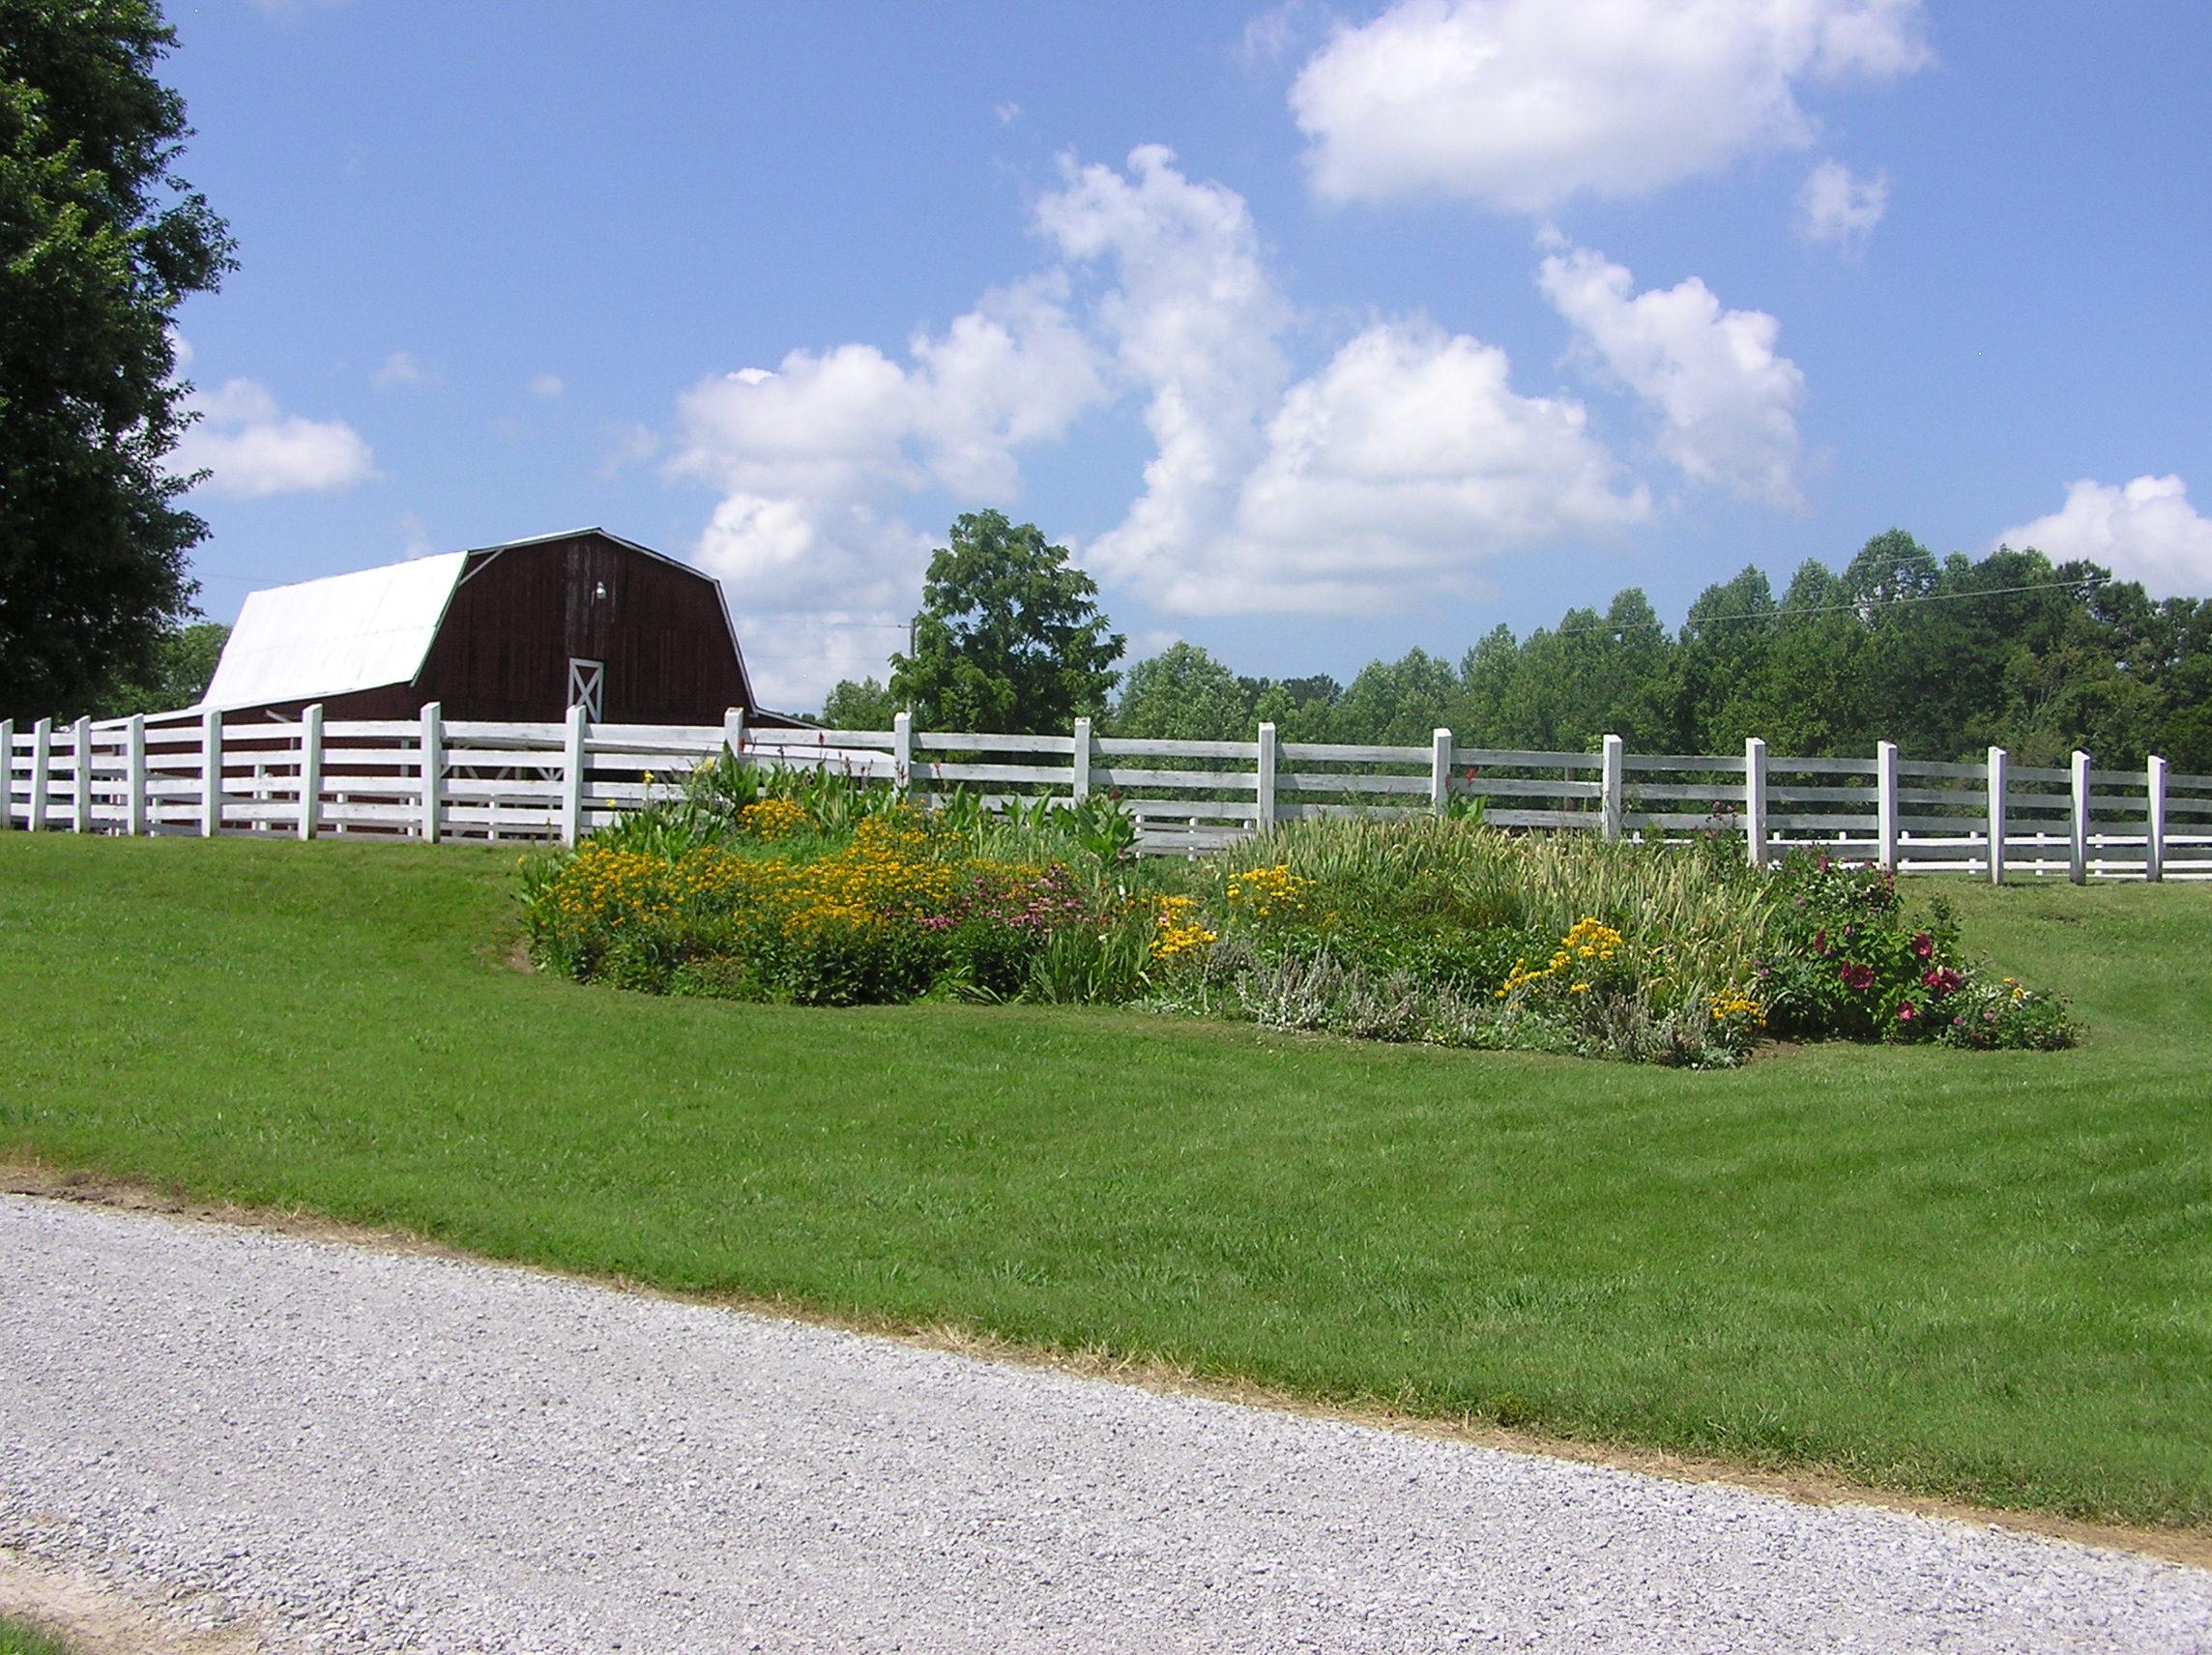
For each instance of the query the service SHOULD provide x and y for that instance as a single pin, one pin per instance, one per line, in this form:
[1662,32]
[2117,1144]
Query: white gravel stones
[361,1451]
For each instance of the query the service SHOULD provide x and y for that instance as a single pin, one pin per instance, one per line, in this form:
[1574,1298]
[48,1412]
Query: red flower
[1821,941]
[1942,980]
[1923,944]
[1857,978]
[1906,1013]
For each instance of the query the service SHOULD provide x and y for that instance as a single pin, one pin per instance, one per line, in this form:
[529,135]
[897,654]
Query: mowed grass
[1987,1277]
[21,1638]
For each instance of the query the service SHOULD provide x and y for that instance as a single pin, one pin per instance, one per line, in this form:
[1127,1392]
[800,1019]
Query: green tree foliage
[863,705]
[99,242]
[1944,657]
[1009,637]
[1301,709]
[183,665]
[1184,694]
[1721,662]
[1399,703]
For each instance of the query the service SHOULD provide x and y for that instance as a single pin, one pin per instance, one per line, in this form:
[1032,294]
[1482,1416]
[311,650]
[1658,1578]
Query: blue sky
[1318,333]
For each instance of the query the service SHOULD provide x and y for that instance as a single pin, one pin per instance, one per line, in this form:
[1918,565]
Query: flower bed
[1435,929]
[901,909]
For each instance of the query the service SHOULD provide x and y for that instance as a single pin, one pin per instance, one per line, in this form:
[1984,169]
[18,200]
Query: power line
[1780,613]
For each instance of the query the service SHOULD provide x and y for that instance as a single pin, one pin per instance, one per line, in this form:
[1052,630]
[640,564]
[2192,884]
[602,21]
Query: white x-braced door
[586,689]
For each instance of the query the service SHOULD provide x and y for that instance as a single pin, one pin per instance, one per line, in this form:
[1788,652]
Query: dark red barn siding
[521,613]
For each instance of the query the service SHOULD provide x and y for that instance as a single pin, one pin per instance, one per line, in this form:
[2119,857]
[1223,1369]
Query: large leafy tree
[1399,703]
[183,665]
[1009,637]
[1301,709]
[100,242]
[1184,694]
[1724,644]
[863,705]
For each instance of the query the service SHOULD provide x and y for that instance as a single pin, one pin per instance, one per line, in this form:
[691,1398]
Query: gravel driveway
[349,1449]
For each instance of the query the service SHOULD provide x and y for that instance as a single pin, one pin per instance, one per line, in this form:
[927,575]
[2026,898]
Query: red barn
[518,632]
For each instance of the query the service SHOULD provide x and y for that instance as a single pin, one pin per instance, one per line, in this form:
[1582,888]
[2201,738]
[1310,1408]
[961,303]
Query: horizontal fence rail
[432,777]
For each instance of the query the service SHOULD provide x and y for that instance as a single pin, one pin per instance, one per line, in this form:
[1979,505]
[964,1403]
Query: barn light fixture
[598,588]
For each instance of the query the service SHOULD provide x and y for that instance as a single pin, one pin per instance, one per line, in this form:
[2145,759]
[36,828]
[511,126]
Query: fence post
[1886,803]
[42,773]
[2078,846]
[1264,752]
[433,746]
[1079,763]
[134,774]
[7,774]
[734,731]
[1755,800]
[210,773]
[902,753]
[80,811]
[1440,771]
[310,769]
[2154,820]
[573,777]
[1996,814]
[1614,788]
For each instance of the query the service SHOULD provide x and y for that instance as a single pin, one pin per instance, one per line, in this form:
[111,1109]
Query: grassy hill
[1980,1275]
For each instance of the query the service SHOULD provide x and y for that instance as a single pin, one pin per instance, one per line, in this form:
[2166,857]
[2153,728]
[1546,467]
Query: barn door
[586,689]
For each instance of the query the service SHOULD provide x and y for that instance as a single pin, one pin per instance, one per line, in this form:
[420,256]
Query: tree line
[1944,657]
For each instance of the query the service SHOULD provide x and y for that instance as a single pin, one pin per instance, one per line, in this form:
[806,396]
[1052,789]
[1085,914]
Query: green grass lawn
[21,1638]
[1981,1275]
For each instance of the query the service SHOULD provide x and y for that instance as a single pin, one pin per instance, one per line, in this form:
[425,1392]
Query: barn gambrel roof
[331,637]
[317,639]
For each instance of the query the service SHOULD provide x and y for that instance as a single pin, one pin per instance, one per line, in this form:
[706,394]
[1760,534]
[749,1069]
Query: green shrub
[1845,959]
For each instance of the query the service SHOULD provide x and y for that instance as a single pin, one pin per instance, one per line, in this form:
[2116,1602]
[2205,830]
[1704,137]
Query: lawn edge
[25,1175]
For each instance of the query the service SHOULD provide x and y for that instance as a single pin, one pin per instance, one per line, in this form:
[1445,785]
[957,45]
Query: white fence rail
[437,778]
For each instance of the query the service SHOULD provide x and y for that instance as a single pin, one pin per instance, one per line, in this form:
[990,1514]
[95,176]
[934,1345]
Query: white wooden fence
[436,778]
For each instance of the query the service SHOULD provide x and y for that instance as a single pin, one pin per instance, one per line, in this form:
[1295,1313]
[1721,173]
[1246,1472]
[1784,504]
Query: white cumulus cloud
[1194,323]
[2145,530]
[815,455]
[1727,403]
[548,384]
[1836,206]
[1521,103]
[810,452]
[1397,470]
[252,447]
[1405,461]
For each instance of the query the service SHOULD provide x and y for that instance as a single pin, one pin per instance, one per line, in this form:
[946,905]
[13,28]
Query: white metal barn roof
[328,637]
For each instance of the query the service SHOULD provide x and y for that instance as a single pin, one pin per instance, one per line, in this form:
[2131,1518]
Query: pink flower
[1923,944]
[1906,1013]
[1942,980]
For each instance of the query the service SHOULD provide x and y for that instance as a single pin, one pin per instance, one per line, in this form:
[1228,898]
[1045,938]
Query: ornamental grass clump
[1444,930]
